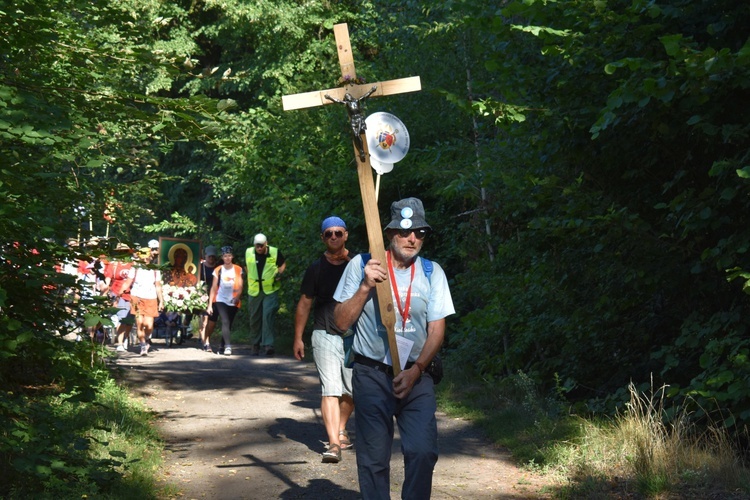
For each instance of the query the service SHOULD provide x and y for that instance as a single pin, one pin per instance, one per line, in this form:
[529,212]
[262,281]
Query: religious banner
[179,260]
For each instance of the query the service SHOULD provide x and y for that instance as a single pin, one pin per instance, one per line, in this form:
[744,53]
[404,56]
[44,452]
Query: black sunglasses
[419,233]
[329,233]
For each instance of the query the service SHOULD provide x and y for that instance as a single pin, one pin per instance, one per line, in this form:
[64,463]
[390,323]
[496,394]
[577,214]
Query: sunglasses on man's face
[329,234]
[419,233]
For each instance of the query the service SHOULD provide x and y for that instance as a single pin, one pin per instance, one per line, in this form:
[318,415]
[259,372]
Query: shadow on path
[246,426]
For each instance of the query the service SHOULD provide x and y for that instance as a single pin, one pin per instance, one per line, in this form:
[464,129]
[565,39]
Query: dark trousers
[263,309]
[376,406]
[227,314]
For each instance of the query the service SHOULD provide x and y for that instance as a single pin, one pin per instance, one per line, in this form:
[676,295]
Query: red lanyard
[404,311]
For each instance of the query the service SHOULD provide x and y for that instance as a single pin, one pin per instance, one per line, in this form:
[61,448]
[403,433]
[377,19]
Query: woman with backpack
[146,299]
[225,296]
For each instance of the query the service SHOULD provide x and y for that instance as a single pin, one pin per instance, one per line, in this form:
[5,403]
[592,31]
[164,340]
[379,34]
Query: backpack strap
[427,267]
[316,270]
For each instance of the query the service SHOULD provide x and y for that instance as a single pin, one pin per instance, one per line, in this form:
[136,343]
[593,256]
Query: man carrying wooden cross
[423,299]
[386,390]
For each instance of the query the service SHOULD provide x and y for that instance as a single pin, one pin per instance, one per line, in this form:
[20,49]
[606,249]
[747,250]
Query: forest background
[584,165]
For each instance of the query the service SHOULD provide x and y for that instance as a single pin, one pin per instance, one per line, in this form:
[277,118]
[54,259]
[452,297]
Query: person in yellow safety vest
[265,265]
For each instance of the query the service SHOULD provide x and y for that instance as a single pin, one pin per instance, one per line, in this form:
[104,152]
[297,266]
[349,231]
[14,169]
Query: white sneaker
[125,344]
[120,348]
[144,349]
[227,351]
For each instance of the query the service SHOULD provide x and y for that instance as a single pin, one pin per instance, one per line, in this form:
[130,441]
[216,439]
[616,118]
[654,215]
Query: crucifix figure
[361,153]
[356,117]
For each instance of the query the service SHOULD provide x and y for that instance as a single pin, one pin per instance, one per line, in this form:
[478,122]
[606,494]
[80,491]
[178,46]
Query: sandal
[344,440]
[332,455]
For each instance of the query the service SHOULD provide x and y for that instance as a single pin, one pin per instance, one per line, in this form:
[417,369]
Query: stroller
[170,327]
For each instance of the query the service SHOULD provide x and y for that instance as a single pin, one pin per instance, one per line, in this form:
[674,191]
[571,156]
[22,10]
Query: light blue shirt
[430,301]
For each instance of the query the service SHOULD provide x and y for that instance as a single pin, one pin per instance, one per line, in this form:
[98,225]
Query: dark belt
[381,367]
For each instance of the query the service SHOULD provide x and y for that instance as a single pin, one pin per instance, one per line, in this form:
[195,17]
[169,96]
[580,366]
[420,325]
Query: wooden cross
[364,170]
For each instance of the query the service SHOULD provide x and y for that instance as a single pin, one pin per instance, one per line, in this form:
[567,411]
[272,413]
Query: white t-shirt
[225,291]
[144,285]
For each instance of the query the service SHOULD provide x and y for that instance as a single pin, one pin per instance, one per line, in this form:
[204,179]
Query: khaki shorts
[144,307]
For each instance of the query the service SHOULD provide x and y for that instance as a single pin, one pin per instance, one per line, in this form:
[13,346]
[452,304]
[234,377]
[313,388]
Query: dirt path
[249,427]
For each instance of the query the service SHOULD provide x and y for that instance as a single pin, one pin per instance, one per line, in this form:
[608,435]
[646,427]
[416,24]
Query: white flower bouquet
[185,298]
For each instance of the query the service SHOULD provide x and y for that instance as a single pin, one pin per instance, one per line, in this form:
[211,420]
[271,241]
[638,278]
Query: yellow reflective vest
[270,285]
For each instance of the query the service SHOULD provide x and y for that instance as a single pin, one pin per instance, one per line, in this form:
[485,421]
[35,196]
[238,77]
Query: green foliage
[73,441]
[620,206]
[584,166]
[515,414]
[83,125]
